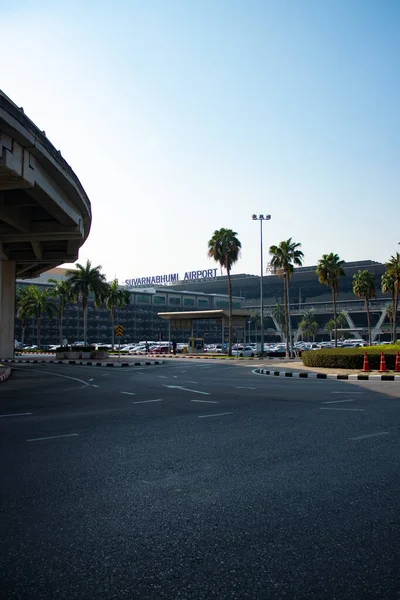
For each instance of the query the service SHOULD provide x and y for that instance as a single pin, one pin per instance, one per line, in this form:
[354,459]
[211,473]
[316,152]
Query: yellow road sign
[119,330]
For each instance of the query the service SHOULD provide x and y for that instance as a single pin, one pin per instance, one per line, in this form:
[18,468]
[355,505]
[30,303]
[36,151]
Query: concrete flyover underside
[45,214]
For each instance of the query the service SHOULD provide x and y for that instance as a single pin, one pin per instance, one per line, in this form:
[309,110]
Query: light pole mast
[261,218]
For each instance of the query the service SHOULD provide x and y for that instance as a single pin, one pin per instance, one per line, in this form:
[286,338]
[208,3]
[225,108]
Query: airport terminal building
[200,291]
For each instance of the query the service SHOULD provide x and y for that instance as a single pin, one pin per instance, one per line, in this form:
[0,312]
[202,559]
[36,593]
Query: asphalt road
[197,480]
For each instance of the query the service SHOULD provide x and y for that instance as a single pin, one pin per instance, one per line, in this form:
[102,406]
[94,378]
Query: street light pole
[261,218]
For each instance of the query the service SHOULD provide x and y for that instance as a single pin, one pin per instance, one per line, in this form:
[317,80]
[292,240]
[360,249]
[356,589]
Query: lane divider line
[369,435]
[147,401]
[214,415]
[350,409]
[129,393]
[336,401]
[53,437]
[206,401]
[15,415]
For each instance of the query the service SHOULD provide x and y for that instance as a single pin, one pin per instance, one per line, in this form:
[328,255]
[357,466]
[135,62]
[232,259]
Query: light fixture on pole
[261,218]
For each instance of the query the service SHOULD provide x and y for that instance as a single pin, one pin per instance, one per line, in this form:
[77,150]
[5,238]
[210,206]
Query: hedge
[351,358]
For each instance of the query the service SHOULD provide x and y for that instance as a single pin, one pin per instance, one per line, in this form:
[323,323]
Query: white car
[244,351]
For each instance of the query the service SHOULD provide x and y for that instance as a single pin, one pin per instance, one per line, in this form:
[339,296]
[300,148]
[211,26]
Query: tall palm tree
[364,287]
[224,247]
[308,324]
[61,291]
[21,312]
[278,312]
[114,298]
[284,258]
[83,280]
[37,303]
[388,287]
[329,270]
[393,269]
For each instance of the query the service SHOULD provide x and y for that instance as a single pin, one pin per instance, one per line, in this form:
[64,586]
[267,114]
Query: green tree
[36,303]
[114,297]
[393,269]
[21,312]
[83,280]
[224,247]
[284,258]
[63,293]
[388,287]
[278,312]
[329,270]
[364,287]
[308,324]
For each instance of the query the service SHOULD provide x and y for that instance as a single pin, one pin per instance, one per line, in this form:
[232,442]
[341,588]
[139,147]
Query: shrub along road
[197,480]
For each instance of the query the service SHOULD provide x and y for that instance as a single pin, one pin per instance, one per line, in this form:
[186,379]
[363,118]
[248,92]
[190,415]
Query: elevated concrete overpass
[45,214]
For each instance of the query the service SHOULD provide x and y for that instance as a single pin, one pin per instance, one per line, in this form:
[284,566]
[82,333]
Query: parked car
[244,351]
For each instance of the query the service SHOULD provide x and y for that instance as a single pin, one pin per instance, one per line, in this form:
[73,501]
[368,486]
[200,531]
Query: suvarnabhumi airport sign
[171,278]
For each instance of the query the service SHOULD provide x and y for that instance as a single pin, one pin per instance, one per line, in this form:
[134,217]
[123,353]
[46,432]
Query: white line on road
[178,387]
[239,387]
[192,382]
[94,385]
[215,415]
[206,401]
[16,415]
[147,401]
[369,435]
[347,392]
[53,437]
[92,379]
[337,401]
[129,393]
[351,409]
[162,377]
[55,374]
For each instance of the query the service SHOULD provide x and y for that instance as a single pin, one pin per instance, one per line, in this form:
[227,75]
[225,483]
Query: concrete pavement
[197,481]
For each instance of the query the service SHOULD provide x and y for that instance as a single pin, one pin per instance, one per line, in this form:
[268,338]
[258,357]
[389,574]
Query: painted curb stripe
[304,375]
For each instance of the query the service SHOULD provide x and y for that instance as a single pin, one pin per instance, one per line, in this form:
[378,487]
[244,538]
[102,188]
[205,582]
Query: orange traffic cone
[397,366]
[366,368]
[383,368]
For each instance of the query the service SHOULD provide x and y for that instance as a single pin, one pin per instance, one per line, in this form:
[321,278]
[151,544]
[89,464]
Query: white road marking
[183,371]
[369,435]
[105,374]
[192,382]
[55,374]
[352,409]
[162,377]
[92,379]
[16,415]
[129,393]
[53,437]
[337,401]
[347,392]
[214,415]
[206,401]
[239,387]
[147,401]
[94,385]
[179,387]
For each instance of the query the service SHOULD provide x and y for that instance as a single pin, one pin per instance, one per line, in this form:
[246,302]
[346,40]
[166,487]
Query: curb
[306,375]
[89,363]
[5,375]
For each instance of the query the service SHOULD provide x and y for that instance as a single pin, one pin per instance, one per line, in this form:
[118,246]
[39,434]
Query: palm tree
[278,313]
[393,269]
[114,298]
[62,291]
[329,269]
[21,312]
[364,287]
[224,247]
[284,258]
[36,303]
[308,324]
[388,287]
[83,280]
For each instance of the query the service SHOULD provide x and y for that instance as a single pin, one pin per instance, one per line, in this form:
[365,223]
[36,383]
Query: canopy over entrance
[184,320]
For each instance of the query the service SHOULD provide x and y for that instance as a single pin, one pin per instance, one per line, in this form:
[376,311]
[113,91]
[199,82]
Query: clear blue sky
[181,117]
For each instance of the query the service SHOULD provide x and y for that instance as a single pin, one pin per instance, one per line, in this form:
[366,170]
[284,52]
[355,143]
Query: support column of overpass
[45,214]
[7,307]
